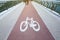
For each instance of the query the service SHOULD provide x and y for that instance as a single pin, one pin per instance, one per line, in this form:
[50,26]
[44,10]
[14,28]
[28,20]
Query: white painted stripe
[7,22]
[6,12]
[52,22]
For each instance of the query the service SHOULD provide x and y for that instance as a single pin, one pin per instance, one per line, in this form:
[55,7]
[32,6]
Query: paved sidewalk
[52,21]
[8,20]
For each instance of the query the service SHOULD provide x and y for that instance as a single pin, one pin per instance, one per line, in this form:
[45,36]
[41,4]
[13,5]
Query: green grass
[51,5]
[8,4]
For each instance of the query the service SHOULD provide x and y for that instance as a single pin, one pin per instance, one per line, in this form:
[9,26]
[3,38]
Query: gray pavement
[8,20]
[52,21]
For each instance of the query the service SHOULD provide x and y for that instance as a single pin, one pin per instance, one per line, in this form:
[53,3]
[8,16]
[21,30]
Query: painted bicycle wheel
[36,27]
[23,26]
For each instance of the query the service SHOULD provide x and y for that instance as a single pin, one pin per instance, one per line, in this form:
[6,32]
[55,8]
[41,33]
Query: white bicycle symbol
[31,23]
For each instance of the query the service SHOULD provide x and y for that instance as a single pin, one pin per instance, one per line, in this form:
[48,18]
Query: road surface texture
[30,34]
[10,20]
[52,21]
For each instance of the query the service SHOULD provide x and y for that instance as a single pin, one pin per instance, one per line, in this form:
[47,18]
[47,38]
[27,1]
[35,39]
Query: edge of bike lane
[30,34]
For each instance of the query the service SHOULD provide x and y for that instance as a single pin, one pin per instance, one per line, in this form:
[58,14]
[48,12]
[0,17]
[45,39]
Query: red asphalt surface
[30,34]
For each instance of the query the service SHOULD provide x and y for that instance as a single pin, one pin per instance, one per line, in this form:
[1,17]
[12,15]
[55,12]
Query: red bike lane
[30,34]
